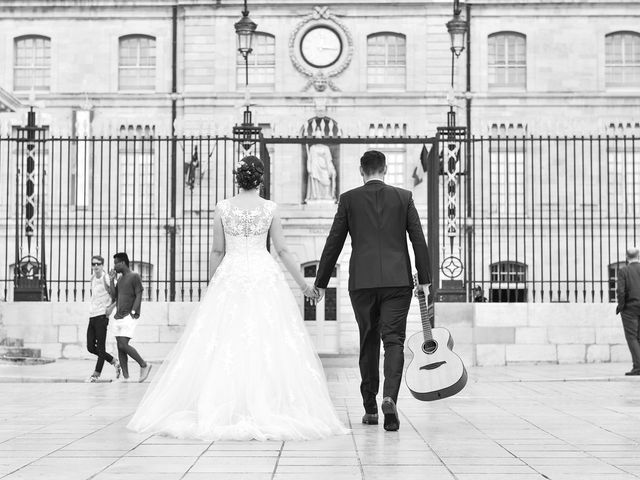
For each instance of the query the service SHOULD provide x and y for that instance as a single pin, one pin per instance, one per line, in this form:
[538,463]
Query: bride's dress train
[245,366]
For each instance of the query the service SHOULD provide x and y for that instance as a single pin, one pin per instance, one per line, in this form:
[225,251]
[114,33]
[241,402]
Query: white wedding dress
[245,367]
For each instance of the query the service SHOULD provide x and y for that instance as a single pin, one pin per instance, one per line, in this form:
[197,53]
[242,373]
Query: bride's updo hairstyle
[249,172]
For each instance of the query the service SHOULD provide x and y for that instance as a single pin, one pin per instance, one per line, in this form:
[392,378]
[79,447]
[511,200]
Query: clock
[321,46]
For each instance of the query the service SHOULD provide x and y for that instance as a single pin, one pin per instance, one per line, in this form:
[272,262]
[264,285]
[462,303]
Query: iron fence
[539,219]
[550,218]
[152,197]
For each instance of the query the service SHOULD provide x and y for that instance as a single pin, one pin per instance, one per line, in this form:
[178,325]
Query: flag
[191,168]
[421,166]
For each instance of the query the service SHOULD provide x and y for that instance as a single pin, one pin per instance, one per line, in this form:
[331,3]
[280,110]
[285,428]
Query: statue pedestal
[320,204]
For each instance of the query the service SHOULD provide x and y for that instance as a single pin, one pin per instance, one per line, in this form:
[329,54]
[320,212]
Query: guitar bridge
[432,366]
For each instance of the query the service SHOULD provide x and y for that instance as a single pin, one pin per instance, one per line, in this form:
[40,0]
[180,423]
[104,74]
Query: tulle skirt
[245,367]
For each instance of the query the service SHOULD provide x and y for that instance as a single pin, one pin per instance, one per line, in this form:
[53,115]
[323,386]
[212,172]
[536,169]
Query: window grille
[137,63]
[395,153]
[386,61]
[311,313]
[32,63]
[507,61]
[508,282]
[145,270]
[622,59]
[507,155]
[136,155]
[262,62]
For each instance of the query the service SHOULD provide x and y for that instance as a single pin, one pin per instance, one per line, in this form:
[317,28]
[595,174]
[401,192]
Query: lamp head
[245,27]
[457,29]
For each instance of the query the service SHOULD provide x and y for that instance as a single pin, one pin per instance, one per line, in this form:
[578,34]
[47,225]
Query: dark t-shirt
[128,287]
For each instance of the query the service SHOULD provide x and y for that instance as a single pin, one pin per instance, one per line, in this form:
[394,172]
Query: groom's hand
[425,288]
[319,293]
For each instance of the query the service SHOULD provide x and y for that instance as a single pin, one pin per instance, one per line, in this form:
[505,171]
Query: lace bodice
[246,229]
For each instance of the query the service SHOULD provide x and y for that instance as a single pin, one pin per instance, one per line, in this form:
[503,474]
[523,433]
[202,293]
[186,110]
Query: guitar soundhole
[429,346]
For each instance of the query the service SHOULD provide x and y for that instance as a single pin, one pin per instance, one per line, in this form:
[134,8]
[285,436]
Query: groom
[378,218]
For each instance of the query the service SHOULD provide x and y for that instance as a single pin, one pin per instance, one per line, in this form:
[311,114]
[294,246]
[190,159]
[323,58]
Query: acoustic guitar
[435,371]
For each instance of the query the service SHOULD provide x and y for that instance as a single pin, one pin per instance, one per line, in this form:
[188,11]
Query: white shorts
[124,327]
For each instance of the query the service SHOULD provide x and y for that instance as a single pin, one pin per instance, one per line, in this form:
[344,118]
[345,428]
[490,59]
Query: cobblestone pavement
[518,422]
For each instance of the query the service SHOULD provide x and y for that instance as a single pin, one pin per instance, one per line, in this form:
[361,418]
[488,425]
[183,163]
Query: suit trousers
[631,324]
[381,313]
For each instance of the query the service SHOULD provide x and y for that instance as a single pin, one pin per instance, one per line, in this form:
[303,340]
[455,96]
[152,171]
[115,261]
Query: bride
[245,367]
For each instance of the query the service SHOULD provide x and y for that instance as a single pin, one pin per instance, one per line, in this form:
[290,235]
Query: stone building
[154,68]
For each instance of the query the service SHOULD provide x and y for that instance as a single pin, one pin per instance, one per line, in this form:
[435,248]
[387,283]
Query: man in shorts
[128,297]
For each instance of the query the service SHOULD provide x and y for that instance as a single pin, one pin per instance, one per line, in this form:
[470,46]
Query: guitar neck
[426,316]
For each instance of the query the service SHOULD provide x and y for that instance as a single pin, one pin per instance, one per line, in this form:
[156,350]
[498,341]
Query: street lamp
[245,28]
[457,29]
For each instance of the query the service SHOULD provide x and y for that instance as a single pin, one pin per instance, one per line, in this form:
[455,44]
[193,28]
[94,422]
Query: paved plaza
[519,422]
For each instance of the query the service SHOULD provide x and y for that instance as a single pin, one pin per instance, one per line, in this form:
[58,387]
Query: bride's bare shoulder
[238,201]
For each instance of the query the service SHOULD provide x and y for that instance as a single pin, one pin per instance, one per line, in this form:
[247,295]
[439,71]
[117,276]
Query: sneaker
[92,379]
[116,365]
[122,380]
[144,372]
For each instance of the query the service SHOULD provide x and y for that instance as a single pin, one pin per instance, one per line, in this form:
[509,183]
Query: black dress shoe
[391,421]
[370,419]
[633,372]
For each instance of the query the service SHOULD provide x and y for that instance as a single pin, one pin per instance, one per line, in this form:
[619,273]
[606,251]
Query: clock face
[321,47]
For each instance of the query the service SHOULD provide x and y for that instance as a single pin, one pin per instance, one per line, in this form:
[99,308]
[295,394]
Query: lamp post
[245,28]
[457,29]
[452,265]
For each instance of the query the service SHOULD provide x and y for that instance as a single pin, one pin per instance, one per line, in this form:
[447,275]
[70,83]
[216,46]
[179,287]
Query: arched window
[508,282]
[262,62]
[622,59]
[32,63]
[386,61]
[137,63]
[507,60]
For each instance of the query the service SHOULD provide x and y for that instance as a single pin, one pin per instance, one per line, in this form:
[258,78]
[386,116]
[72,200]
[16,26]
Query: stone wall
[484,334]
[503,334]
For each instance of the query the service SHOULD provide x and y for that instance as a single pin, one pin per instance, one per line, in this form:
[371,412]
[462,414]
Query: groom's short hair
[373,162]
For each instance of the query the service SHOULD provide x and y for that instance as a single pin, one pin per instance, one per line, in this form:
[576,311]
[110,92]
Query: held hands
[310,293]
[314,294]
[319,292]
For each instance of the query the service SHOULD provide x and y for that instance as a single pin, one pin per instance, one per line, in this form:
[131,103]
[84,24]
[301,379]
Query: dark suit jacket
[628,289]
[378,217]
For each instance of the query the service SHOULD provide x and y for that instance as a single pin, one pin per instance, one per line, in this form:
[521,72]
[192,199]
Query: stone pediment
[9,103]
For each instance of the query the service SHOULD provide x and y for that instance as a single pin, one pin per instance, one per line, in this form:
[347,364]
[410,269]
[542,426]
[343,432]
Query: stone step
[20,352]
[25,360]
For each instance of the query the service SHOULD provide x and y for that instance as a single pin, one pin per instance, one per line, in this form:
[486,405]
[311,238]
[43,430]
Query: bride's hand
[310,292]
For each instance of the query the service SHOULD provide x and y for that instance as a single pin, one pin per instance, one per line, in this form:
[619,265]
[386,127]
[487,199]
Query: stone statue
[321,173]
